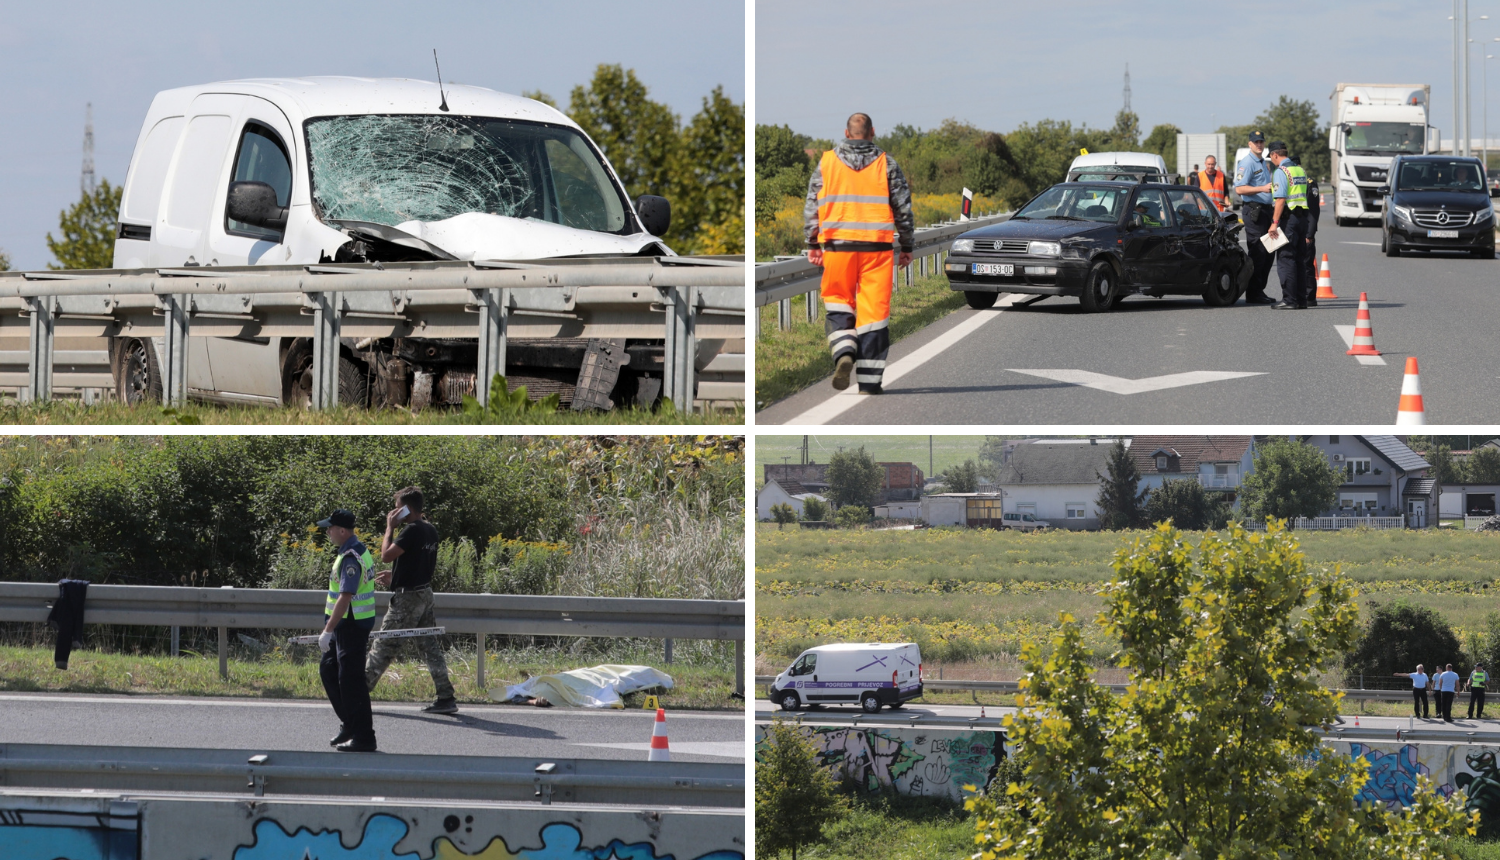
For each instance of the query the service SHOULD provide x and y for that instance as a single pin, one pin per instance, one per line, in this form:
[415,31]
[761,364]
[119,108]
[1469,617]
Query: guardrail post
[39,373]
[811,297]
[479,658]
[174,349]
[325,387]
[739,666]
[494,316]
[176,641]
[681,347]
[666,650]
[784,314]
[224,653]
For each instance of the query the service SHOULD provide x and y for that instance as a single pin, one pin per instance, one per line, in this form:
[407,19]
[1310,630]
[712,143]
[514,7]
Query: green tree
[1188,506]
[4,262]
[852,516]
[88,231]
[1214,749]
[814,510]
[783,514]
[1290,478]
[778,148]
[963,478]
[794,797]
[1126,134]
[1163,141]
[708,212]
[1487,650]
[1483,466]
[854,478]
[1235,136]
[638,136]
[1120,497]
[1444,468]
[1397,637]
[1295,123]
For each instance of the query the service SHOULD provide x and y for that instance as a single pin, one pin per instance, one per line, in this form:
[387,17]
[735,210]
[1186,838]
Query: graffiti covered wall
[1394,768]
[932,763]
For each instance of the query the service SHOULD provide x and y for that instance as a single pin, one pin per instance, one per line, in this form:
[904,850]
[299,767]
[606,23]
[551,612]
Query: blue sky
[59,56]
[999,64]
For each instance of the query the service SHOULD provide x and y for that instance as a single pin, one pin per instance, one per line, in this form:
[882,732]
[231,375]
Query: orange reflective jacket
[855,205]
[1213,188]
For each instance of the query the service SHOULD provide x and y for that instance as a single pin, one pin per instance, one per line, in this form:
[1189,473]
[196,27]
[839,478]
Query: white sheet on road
[598,687]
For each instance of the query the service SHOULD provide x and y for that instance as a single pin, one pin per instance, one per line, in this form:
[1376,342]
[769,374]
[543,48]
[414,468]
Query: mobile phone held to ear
[403,513]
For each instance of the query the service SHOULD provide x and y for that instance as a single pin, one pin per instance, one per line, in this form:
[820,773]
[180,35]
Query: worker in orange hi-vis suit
[858,207]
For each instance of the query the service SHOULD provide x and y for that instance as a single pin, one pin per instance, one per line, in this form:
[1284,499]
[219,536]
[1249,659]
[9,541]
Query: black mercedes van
[1437,203]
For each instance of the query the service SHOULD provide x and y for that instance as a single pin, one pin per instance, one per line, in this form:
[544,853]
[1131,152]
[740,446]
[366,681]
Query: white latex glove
[325,641]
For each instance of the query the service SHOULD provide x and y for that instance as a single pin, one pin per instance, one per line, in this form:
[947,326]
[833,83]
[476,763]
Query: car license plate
[1005,269]
[1442,234]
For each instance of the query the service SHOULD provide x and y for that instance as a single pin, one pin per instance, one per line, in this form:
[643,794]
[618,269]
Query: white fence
[1336,523]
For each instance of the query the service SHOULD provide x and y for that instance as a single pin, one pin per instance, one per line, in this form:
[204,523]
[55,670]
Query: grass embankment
[278,674]
[972,598]
[946,450]
[905,828]
[113,412]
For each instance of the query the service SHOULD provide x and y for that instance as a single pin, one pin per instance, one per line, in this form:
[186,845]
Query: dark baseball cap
[1257,137]
[1276,146]
[339,517]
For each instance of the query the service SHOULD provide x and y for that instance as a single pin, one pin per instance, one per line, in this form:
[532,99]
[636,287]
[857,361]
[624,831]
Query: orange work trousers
[857,307]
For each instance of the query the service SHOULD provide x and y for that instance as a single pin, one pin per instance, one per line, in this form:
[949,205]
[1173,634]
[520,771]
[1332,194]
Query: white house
[1057,480]
[975,510]
[1216,462]
[908,509]
[1469,500]
[1382,478]
[781,492]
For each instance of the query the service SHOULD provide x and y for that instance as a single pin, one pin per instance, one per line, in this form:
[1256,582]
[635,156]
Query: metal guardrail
[1403,695]
[480,614]
[262,773]
[782,280]
[642,297]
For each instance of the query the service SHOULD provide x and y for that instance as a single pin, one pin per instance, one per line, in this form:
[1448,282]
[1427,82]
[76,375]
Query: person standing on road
[1419,684]
[1309,272]
[349,617]
[858,207]
[1447,686]
[1252,182]
[413,555]
[1290,217]
[1212,182]
[1478,680]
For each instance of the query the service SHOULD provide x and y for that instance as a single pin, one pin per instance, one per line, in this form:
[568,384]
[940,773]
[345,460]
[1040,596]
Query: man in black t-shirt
[414,556]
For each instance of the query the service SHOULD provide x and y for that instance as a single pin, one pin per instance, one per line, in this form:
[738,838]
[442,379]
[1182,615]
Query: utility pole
[86,180]
[1127,86]
[929,456]
[1457,84]
[804,450]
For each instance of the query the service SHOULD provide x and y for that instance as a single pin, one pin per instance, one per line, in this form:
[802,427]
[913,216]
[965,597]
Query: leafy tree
[1487,650]
[1290,478]
[1214,748]
[708,209]
[1120,498]
[1296,124]
[783,514]
[778,148]
[638,135]
[991,456]
[4,262]
[1483,466]
[794,797]
[854,478]
[1042,153]
[852,516]
[1126,134]
[1444,468]
[963,478]
[1163,141]
[88,231]
[814,510]
[1188,506]
[1397,637]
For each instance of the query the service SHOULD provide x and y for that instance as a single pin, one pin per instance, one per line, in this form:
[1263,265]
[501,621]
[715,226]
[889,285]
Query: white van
[870,675]
[1113,165]
[1023,522]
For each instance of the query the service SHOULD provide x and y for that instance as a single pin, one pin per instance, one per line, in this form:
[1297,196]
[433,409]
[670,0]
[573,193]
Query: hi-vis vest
[363,604]
[1214,189]
[1478,679]
[1296,187]
[855,205]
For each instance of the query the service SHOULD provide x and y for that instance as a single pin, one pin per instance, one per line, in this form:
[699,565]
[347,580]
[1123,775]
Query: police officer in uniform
[1478,680]
[349,618]
[1252,182]
[1314,211]
[1290,217]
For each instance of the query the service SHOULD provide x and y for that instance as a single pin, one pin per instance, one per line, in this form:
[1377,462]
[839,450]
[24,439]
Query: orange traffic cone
[1411,411]
[1325,281]
[1321,204]
[1364,336]
[659,749]
[981,712]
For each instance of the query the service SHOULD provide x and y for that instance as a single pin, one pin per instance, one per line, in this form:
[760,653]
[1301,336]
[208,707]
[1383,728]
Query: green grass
[701,685]
[1473,849]
[946,450]
[904,828]
[114,412]
[788,361]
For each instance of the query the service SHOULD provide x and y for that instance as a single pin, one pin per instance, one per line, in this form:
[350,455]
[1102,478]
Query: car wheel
[297,379]
[1100,288]
[139,377]
[1222,291]
[1390,248]
[1338,221]
[790,701]
[896,706]
[1484,253]
[980,300]
[869,703]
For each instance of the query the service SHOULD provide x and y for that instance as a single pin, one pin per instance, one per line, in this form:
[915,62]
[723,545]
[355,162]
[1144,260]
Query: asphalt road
[488,730]
[1051,364]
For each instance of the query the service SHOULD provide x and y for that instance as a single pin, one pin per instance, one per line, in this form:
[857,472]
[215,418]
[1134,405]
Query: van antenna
[442,96]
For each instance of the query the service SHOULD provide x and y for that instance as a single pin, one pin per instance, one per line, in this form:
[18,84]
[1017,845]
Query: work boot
[443,706]
[842,371]
[353,745]
[343,735]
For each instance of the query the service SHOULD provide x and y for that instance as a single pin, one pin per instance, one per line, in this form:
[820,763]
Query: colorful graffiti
[1473,770]
[53,835]
[918,763]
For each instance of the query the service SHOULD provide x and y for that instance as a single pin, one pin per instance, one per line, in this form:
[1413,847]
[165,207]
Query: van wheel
[297,379]
[980,300]
[1391,249]
[137,376]
[869,703]
[896,706]
[1222,291]
[1100,289]
[790,701]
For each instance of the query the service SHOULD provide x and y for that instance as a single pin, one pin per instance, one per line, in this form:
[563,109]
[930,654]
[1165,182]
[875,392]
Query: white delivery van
[870,675]
[1118,165]
[329,170]
[1023,522]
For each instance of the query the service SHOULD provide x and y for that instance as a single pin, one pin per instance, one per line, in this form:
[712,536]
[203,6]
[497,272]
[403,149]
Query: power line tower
[1127,88]
[86,181]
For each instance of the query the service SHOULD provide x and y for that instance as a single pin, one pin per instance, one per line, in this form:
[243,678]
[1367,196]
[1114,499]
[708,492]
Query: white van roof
[857,646]
[1132,159]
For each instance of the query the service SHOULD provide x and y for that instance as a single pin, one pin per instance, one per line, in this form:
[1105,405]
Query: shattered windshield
[394,169]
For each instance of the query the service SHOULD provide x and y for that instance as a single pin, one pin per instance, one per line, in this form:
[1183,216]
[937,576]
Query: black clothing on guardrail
[67,618]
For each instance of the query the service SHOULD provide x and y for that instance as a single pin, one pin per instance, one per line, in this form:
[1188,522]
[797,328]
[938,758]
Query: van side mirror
[655,213]
[1230,218]
[255,203]
[1383,190]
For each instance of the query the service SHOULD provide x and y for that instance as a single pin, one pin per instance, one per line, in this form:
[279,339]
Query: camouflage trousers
[409,609]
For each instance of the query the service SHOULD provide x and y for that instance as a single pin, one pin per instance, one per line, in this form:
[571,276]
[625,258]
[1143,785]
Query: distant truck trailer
[1370,124]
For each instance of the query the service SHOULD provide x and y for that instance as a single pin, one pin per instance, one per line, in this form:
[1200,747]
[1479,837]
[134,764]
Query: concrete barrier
[117,826]
[910,761]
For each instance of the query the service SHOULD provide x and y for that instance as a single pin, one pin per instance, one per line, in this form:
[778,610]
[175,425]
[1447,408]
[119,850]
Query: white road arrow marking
[1347,333]
[1120,385]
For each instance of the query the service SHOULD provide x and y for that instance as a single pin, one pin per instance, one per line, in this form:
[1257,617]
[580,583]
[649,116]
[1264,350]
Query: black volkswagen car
[1437,203]
[1103,241]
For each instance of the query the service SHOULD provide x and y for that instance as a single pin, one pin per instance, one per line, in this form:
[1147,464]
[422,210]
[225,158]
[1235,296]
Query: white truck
[872,675]
[343,170]
[1370,124]
[1118,165]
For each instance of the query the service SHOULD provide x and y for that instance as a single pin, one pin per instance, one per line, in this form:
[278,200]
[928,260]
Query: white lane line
[1371,244]
[723,749]
[847,399]
[1347,333]
[1119,385]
